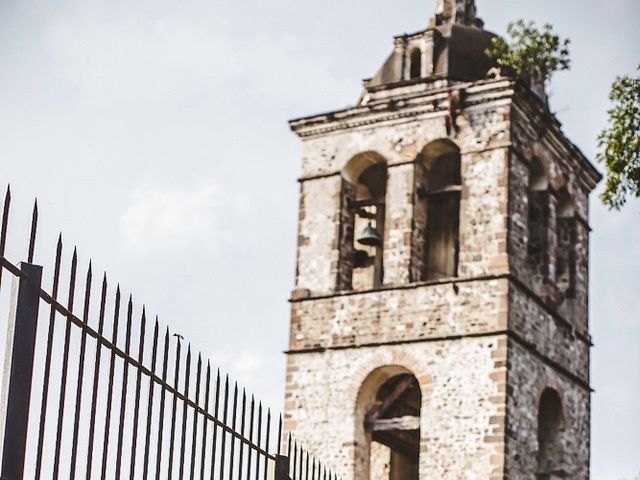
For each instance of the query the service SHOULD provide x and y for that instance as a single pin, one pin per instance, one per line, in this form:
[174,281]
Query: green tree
[531,53]
[620,143]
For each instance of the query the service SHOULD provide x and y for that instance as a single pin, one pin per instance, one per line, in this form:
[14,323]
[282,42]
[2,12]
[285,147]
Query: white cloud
[170,218]
[248,361]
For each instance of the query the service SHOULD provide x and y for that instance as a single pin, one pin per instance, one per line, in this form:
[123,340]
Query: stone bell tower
[439,322]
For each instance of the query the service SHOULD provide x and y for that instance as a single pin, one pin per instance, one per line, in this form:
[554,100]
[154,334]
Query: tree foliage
[620,143]
[530,52]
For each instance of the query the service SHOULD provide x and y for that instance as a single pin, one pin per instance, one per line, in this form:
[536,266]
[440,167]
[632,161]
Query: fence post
[282,468]
[18,369]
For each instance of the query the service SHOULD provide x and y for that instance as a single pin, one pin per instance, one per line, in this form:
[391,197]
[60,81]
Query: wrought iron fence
[103,392]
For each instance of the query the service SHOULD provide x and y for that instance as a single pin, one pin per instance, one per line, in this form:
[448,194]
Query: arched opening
[567,238]
[364,188]
[415,70]
[550,428]
[438,185]
[538,218]
[389,417]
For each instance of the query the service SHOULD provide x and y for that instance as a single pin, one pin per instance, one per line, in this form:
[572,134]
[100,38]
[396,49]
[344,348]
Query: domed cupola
[453,47]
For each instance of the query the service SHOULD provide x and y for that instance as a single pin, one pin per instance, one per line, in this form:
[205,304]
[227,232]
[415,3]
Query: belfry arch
[436,218]
[388,425]
[362,215]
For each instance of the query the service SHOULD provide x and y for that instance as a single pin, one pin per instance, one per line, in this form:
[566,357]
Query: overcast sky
[154,134]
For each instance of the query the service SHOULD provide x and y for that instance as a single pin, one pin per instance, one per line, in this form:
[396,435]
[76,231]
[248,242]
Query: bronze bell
[370,237]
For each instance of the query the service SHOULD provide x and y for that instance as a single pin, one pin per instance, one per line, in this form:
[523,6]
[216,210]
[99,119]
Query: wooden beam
[401,423]
[378,410]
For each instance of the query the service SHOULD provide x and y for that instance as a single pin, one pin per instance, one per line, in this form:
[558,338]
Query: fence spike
[194,437]
[176,381]
[259,439]
[165,366]
[279,433]
[5,222]
[268,436]
[65,367]
[251,418]
[123,393]
[34,228]
[80,381]
[205,420]
[215,425]
[233,427]
[147,441]
[136,403]
[183,430]
[47,363]
[242,425]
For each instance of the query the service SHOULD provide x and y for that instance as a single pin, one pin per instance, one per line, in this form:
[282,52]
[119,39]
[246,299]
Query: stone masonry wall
[400,314]
[550,336]
[528,376]
[463,405]
[534,134]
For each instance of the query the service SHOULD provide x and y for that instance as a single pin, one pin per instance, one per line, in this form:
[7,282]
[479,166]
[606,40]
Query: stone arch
[387,430]
[359,163]
[438,187]
[551,424]
[362,216]
[538,176]
[566,206]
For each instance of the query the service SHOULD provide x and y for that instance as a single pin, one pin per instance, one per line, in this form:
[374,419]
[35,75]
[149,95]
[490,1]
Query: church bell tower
[439,321]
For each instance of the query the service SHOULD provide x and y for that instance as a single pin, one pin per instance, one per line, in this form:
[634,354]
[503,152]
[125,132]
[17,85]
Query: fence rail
[97,392]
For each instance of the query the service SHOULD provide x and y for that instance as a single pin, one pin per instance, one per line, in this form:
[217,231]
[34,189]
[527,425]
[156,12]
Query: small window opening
[362,223]
[437,213]
[416,64]
[538,218]
[551,464]
[566,235]
[393,425]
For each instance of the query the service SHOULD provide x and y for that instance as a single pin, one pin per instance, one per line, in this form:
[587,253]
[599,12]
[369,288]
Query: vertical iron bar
[107,420]
[83,347]
[204,423]
[165,363]
[147,436]
[176,381]
[289,450]
[34,228]
[242,421]
[96,376]
[301,458]
[136,403]
[224,422]
[185,411]
[251,416]
[194,438]
[295,460]
[19,356]
[123,395]
[65,367]
[215,425]
[47,360]
[259,440]
[233,427]
[279,434]
[5,224]
[268,435]
[306,470]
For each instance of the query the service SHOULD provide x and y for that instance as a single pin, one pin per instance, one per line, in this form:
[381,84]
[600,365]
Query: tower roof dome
[453,46]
